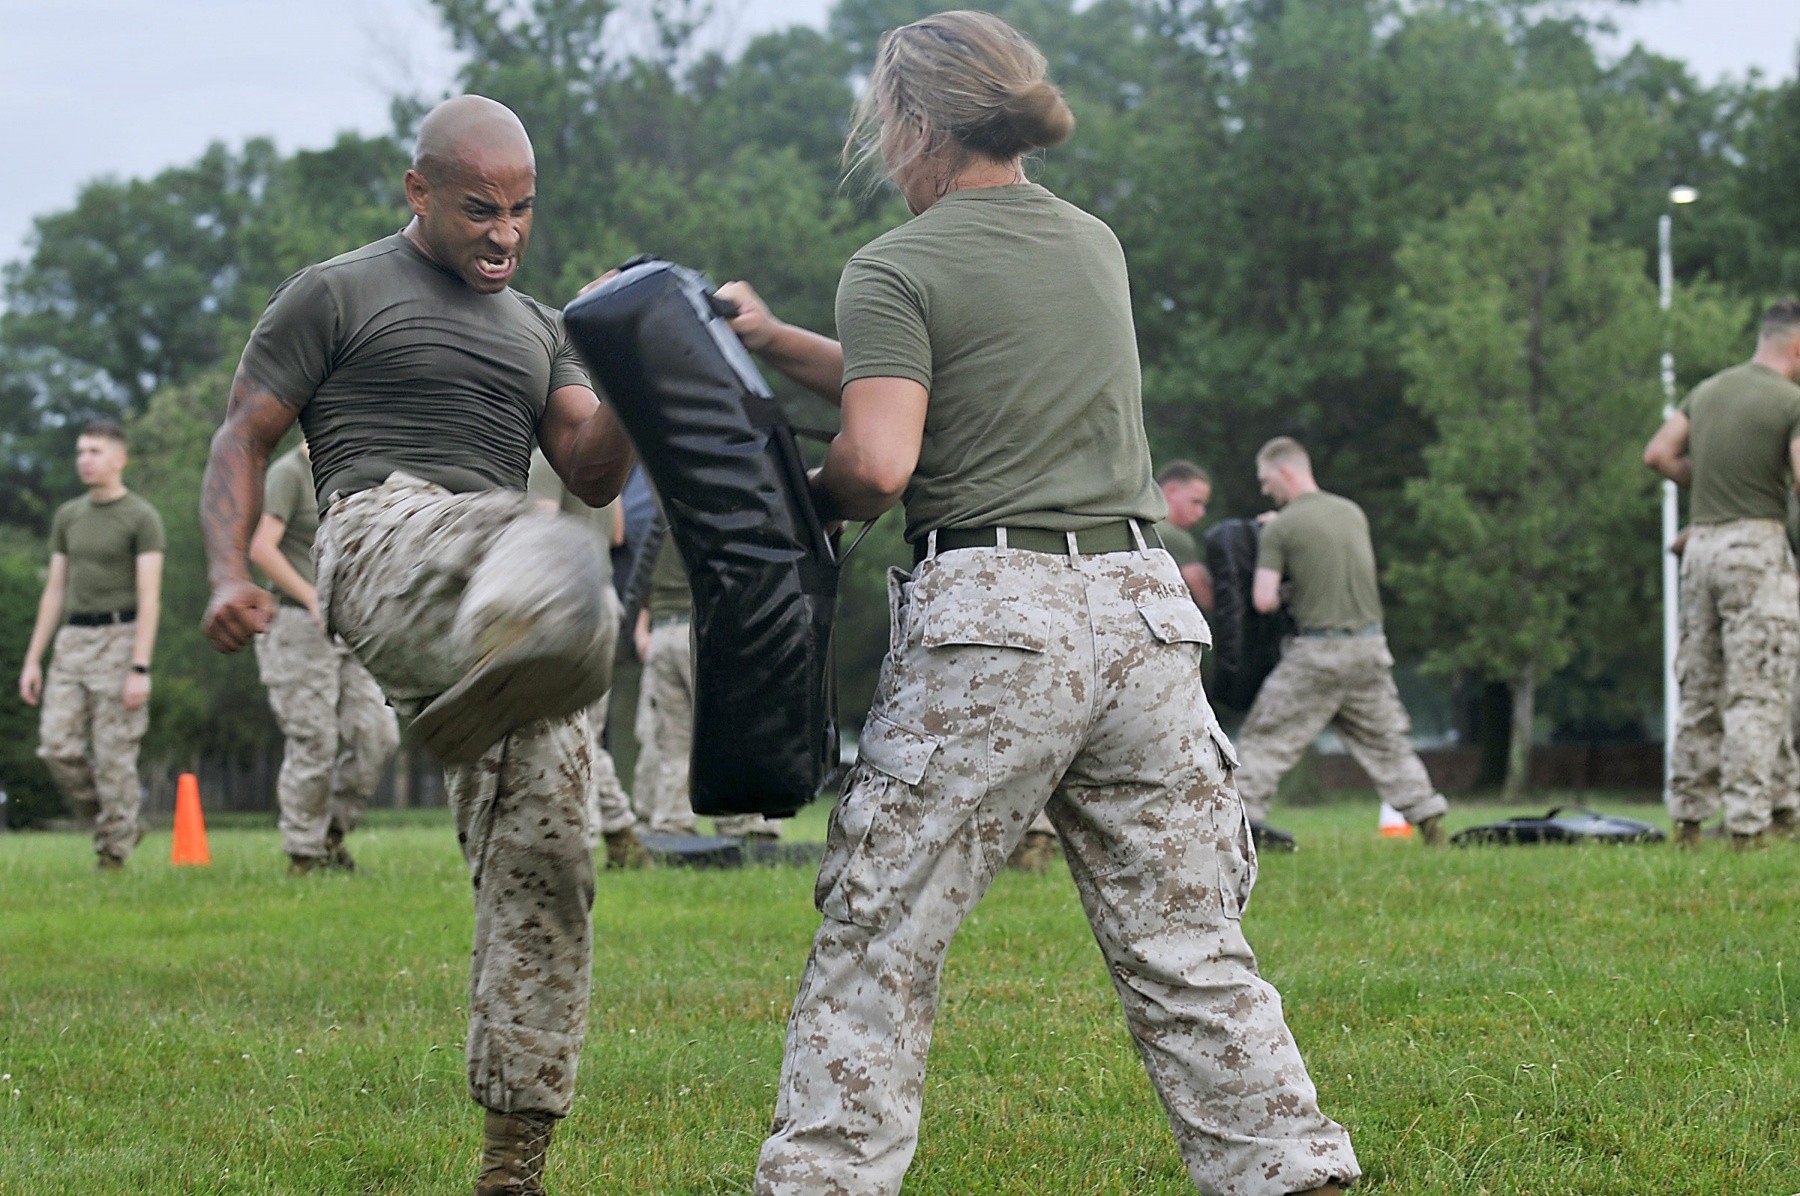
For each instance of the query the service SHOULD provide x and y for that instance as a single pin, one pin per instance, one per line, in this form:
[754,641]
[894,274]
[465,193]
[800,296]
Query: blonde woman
[1045,654]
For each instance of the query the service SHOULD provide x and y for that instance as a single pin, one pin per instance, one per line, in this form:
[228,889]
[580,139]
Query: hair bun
[1039,115]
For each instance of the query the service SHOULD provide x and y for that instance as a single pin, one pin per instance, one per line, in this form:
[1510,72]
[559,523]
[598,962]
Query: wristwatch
[141,668]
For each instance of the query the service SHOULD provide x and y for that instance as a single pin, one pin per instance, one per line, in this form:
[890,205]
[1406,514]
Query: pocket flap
[1176,621]
[1223,742]
[890,748]
[990,621]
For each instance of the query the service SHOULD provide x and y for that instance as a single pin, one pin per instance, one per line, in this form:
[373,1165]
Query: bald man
[423,381]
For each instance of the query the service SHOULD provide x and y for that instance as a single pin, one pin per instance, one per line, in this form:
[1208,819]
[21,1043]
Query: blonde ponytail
[963,81]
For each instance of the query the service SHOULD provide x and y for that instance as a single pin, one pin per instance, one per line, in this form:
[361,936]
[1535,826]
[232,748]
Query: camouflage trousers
[609,808]
[1346,683]
[1014,679]
[83,699]
[394,565]
[1739,653]
[665,732]
[339,730]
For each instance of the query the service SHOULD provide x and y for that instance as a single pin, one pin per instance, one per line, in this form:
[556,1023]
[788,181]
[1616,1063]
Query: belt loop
[1137,533]
[931,543]
[999,537]
[1074,550]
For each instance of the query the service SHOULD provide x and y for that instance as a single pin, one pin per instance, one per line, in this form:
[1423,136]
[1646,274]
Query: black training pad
[724,851]
[1564,824]
[733,485]
[1246,645]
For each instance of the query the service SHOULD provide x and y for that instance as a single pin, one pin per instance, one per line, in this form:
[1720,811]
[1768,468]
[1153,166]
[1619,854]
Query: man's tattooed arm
[230,502]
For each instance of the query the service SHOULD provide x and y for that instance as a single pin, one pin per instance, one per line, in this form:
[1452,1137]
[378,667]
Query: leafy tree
[1532,349]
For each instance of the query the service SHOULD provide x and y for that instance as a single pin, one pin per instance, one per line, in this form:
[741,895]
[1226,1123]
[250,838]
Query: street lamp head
[1683,194]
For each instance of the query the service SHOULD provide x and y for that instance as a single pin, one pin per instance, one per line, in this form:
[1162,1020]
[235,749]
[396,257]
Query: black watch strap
[141,668]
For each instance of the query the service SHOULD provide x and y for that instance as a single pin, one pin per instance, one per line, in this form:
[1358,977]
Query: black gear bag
[1246,645]
[733,485]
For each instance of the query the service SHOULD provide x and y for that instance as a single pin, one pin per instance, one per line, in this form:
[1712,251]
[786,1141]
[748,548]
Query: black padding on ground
[1564,824]
[1246,645]
[719,851]
[733,485]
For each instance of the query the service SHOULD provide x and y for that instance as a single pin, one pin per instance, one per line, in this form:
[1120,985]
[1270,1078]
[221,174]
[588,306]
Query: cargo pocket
[1237,860]
[856,877]
[1176,621]
[955,620]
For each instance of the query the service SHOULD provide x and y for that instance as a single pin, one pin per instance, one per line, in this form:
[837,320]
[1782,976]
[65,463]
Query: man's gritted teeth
[496,268]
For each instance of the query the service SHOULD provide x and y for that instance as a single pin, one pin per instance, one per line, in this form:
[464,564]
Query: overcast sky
[126,87]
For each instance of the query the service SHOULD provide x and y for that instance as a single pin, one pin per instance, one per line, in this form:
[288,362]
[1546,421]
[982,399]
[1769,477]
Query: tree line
[1418,235]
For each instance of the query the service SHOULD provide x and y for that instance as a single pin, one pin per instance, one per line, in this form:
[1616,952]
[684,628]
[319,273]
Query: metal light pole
[1671,511]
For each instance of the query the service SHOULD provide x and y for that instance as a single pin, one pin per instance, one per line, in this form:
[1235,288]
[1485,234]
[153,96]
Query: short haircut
[1284,450]
[1182,471]
[1782,321]
[103,429]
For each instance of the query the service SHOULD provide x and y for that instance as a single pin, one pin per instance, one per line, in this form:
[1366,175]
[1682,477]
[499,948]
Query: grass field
[1527,1020]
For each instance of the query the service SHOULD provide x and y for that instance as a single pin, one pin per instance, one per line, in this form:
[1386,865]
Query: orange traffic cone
[1393,824]
[190,828]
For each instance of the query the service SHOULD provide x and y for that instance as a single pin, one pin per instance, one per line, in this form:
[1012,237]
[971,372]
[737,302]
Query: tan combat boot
[300,865]
[1034,853]
[1687,835]
[625,850]
[1431,831]
[109,863]
[1755,842]
[513,1148]
[1785,824]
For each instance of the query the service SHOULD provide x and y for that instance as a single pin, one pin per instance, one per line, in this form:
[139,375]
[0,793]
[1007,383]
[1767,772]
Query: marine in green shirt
[1735,443]
[102,540]
[1320,544]
[1741,424]
[397,365]
[1033,422]
[100,608]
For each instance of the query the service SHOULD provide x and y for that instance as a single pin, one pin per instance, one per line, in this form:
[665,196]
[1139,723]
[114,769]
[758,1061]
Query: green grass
[1523,1020]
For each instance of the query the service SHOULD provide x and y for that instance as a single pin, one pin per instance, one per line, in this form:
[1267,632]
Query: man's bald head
[472,188]
[469,132]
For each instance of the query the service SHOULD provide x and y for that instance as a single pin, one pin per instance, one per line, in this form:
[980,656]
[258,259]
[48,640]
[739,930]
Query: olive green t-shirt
[670,595]
[103,541]
[1180,543]
[1740,424]
[397,364]
[288,496]
[1320,543]
[544,484]
[1012,309]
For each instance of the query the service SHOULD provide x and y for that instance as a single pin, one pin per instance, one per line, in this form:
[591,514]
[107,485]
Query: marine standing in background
[104,588]
[339,730]
[1044,652]
[610,817]
[1187,489]
[423,381]
[663,637]
[1337,670]
[1735,443]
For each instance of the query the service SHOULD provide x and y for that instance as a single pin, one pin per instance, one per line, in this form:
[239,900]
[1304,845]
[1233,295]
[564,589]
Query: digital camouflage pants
[395,564]
[1346,683]
[339,729]
[1014,679]
[665,731]
[83,700]
[1739,653]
